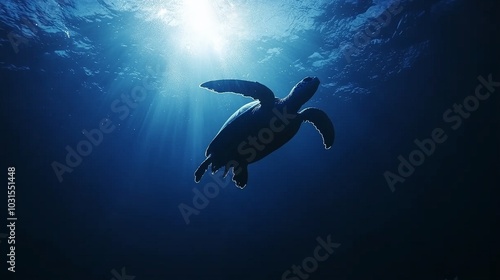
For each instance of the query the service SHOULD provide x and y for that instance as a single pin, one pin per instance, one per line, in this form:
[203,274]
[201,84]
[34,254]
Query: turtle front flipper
[245,88]
[202,169]
[322,123]
[240,175]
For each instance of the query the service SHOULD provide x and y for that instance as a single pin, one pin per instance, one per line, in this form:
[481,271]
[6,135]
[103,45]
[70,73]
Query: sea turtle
[260,127]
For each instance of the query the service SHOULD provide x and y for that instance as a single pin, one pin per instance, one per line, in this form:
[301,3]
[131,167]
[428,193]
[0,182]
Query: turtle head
[301,93]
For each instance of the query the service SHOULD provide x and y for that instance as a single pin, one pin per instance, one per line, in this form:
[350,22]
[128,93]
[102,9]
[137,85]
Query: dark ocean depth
[104,123]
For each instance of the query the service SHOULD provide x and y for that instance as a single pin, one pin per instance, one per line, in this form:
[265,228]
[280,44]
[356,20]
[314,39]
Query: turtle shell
[242,124]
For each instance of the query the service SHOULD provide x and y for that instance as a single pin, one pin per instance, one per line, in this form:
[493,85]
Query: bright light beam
[202,26]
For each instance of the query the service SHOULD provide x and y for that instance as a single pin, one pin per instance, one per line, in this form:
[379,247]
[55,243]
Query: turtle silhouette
[260,127]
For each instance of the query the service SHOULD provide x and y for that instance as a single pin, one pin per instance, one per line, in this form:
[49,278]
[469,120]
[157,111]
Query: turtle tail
[202,169]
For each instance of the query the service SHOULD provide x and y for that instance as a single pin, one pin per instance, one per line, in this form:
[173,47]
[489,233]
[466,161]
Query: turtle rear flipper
[202,169]
[240,177]
[226,170]
[322,123]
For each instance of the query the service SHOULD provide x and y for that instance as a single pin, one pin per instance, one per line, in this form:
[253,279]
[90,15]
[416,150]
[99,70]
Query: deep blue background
[119,208]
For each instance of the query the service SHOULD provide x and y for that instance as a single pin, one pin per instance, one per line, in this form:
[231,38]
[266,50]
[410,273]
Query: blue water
[127,75]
